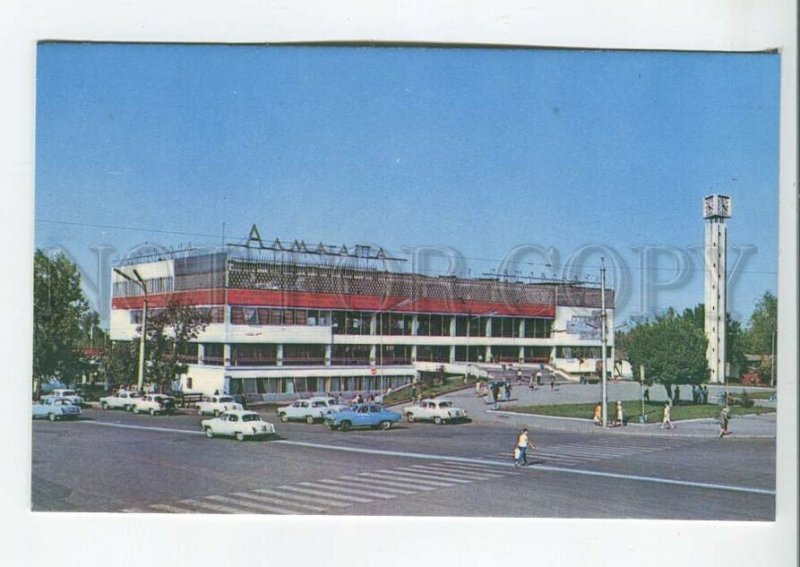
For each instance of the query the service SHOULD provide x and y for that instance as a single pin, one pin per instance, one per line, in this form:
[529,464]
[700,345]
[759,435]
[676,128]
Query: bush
[746,401]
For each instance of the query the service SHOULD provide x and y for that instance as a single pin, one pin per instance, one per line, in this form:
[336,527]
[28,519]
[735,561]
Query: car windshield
[445,404]
[251,417]
[225,399]
[318,405]
[67,392]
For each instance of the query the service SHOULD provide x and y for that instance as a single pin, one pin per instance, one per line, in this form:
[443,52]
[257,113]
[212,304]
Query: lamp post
[603,337]
[139,282]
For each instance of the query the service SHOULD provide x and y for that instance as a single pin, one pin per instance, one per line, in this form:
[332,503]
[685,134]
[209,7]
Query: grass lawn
[653,410]
[451,383]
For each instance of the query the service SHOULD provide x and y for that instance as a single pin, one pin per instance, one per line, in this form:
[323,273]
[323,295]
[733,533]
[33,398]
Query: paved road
[119,462]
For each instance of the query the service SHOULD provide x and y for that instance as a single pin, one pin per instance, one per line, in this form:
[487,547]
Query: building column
[521,355]
[487,356]
[201,354]
[414,324]
[373,324]
[373,351]
[413,353]
[453,326]
[452,354]
[279,355]
[226,354]
[328,355]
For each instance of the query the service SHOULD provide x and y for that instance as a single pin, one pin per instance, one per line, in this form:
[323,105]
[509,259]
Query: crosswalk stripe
[402,488]
[477,467]
[457,474]
[361,490]
[436,475]
[477,470]
[419,477]
[370,483]
[302,498]
[334,490]
[171,509]
[324,494]
[405,482]
[254,505]
[210,506]
[270,500]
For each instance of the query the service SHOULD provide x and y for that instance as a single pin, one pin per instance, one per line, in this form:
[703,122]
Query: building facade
[284,327]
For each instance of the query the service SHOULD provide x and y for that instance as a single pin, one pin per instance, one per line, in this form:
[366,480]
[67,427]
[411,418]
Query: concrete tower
[716,208]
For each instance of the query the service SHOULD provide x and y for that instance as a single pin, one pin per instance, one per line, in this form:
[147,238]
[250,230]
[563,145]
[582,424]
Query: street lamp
[139,282]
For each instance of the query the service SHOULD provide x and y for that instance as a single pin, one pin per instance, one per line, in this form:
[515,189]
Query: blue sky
[481,151]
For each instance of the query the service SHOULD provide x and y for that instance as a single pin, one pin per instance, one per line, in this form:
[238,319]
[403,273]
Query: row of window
[391,324]
[310,384]
[345,355]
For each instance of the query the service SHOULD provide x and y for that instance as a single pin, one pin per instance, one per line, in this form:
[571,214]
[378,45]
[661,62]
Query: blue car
[362,415]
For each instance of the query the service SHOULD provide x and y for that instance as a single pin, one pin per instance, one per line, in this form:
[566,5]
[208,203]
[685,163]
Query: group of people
[699,394]
[619,416]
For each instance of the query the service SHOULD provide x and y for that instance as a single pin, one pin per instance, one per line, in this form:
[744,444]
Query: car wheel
[209,433]
[310,419]
[199,411]
[344,426]
[410,417]
[386,425]
[51,417]
[216,413]
[103,405]
[284,417]
[152,411]
[437,420]
[135,410]
[239,436]
[129,408]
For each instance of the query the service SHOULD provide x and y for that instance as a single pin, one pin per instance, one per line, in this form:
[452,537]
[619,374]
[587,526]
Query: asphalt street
[113,461]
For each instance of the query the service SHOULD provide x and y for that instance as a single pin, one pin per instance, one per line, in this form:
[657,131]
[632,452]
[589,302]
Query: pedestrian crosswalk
[601,448]
[332,495]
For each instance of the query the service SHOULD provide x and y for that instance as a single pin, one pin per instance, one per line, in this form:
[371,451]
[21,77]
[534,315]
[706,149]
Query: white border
[98,539]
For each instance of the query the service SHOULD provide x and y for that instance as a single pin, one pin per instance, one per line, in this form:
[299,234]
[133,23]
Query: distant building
[289,321]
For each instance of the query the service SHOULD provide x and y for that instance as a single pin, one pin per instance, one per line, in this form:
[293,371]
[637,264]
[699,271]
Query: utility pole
[603,337]
[139,282]
[772,361]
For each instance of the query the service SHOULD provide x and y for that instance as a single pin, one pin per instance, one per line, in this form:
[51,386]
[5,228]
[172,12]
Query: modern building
[289,320]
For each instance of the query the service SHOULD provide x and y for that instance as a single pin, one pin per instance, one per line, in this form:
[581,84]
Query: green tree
[761,334]
[59,308]
[735,336]
[170,332]
[120,363]
[671,348]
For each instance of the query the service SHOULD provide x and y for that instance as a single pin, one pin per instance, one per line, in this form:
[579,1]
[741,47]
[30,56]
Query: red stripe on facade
[376,303]
[269,298]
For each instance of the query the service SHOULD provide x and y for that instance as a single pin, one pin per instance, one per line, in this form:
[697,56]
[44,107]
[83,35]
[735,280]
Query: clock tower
[716,208]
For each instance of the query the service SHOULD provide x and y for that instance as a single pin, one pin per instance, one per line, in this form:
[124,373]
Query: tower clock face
[725,206]
[708,206]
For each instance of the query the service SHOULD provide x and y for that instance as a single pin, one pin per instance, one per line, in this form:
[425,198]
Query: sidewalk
[750,426]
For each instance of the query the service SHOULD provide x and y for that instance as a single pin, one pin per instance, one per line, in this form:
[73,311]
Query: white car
[66,394]
[240,424]
[436,410]
[154,404]
[121,400]
[54,407]
[310,409]
[216,405]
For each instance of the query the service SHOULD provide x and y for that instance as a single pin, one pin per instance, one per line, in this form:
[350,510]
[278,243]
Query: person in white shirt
[521,449]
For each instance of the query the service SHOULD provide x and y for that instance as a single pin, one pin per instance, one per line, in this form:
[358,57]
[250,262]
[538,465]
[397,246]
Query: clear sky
[479,151]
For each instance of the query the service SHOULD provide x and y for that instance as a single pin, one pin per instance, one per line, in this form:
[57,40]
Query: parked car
[216,405]
[240,424]
[154,404]
[55,407]
[362,415]
[437,410]
[309,410]
[66,394]
[121,400]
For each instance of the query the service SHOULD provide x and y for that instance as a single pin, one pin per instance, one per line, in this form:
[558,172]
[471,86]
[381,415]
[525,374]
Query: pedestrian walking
[552,382]
[478,388]
[620,413]
[521,449]
[667,421]
[598,414]
[724,416]
[519,375]
[705,395]
[508,391]
[647,394]
[530,382]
